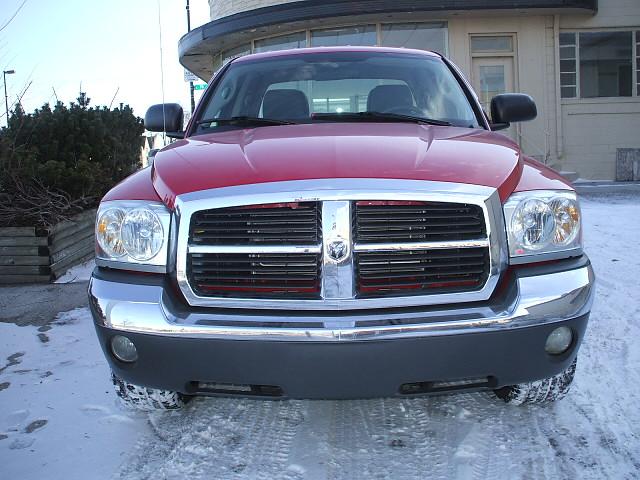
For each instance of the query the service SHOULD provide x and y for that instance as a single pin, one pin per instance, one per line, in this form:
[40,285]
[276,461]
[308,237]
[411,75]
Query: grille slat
[410,209]
[404,218]
[261,237]
[411,235]
[384,257]
[368,277]
[407,270]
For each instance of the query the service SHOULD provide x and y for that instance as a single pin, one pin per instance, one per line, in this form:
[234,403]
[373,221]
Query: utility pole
[6,97]
[191,89]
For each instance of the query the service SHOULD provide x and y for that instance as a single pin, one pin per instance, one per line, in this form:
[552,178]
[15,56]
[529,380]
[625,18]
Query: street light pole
[6,97]
[191,89]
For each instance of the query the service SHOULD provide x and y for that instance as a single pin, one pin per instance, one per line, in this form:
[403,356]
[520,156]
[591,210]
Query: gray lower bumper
[344,354]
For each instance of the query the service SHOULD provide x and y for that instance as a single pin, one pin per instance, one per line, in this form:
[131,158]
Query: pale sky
[105,44]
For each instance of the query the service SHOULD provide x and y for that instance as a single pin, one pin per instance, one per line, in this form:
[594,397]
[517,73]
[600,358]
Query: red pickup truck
[341,223]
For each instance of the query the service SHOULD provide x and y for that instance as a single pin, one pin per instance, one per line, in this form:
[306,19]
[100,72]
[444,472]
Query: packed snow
[79,273]
[60,419]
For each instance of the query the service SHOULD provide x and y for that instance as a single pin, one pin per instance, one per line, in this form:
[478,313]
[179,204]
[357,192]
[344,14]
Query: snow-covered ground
[78,273]
[60,420]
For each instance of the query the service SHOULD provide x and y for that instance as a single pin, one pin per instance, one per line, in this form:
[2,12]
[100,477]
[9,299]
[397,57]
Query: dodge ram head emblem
[337,249]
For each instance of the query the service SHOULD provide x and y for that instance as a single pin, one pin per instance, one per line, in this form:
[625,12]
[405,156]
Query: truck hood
[337,150]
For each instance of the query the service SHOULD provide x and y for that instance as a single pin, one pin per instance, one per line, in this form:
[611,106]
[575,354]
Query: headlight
[132,235]
[142,234]
[543,225]
[108,232]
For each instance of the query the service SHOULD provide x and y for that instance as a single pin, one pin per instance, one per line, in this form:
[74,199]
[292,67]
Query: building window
[598,64]
[605,64]
[492,44]
[422,36]
[568,65]
[282,42]
[361,35]
[233,53]
[638,63]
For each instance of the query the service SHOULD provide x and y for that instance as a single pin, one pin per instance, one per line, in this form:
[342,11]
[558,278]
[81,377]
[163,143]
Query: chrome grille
[339,244]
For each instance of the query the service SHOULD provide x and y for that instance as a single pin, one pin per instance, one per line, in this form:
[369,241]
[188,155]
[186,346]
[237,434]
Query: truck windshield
[335,87]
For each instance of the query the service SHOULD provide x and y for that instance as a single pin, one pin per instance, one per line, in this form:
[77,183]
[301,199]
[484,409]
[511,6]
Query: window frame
[635,67]
[494,53]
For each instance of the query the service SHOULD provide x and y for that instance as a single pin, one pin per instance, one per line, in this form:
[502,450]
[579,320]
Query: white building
[580,60]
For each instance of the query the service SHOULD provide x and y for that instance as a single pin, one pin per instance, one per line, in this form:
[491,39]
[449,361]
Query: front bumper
[355,354]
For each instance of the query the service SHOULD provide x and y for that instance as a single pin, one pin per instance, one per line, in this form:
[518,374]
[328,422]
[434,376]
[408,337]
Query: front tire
[541,392]
[147,399]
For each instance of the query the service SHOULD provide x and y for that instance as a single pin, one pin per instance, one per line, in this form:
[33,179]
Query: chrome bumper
[537,296]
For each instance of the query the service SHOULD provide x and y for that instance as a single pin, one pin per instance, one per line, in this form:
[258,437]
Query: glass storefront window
[605,64]
[239,51]
[419,35]
[360,35]
[282,42]
[422,36]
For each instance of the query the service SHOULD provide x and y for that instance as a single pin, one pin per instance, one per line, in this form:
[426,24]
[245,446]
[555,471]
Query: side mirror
[165,117]
[512,107]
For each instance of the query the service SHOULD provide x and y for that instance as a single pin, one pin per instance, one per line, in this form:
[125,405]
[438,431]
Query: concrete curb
[607,188]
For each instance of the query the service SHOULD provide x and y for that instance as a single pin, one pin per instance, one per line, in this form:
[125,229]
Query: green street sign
[200,86]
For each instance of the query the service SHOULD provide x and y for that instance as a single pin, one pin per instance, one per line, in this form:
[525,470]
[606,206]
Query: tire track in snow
[220,438]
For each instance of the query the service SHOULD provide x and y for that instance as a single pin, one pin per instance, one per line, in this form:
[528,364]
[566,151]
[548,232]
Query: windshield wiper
[245,121]
[380,117]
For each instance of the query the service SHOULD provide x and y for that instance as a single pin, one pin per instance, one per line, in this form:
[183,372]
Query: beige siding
[532,70]
[223,8]
[593,129]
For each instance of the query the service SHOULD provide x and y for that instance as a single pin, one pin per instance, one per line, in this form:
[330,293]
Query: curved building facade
[579,59]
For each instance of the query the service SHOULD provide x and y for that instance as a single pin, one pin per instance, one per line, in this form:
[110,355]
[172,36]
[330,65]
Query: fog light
[124,349]
[559,341]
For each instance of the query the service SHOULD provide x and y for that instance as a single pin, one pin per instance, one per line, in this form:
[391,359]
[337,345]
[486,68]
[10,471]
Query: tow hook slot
[418,388]
[213,388]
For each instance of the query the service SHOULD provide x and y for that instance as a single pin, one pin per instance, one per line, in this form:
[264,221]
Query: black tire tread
[540,392]
[147,399]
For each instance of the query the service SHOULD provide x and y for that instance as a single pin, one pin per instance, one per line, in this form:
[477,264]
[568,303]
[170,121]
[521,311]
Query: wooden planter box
[31,254]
